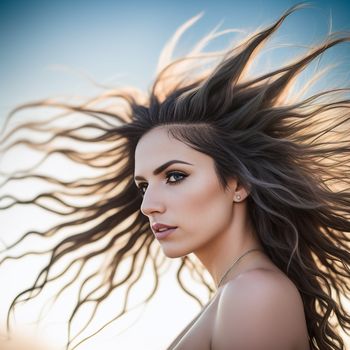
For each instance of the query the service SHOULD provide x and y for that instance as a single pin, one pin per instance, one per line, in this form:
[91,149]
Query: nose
[153,202]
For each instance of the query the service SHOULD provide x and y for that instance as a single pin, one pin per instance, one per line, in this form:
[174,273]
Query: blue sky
[119,41]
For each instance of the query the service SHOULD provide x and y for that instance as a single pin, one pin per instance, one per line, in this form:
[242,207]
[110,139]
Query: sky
[45,44]
[46,49]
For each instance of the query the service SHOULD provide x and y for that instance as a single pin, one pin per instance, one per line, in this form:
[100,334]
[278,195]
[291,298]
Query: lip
[162,234]
[165,233]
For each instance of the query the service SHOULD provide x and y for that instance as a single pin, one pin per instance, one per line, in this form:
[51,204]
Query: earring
[238,197]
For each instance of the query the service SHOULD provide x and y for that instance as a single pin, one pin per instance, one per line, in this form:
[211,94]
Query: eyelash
[169,174]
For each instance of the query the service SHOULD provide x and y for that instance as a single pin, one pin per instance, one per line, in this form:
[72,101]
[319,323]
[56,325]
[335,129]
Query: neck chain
[234,263]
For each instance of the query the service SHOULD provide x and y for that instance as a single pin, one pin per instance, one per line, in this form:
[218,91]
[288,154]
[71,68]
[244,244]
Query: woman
[250,307]
[261,198]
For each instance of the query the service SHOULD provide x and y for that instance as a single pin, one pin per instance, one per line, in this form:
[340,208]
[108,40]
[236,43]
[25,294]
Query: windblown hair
[292,152]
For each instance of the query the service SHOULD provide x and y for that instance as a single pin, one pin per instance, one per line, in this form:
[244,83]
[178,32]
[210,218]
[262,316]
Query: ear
[238,191]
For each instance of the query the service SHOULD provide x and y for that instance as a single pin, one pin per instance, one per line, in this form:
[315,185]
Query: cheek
[206,208]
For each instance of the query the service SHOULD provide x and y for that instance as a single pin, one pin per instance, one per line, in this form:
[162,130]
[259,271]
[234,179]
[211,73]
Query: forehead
[157,147]
[157,141]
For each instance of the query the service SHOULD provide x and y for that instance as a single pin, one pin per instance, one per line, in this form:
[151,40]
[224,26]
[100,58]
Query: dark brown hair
[293,153]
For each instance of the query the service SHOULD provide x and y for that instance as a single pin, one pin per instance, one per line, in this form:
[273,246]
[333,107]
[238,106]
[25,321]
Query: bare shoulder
[260,309]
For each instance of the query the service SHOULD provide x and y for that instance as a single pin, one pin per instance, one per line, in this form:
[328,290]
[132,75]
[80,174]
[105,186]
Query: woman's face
[186,194]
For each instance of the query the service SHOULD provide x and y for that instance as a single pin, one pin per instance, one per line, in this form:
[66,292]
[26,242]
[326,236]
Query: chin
[172,252]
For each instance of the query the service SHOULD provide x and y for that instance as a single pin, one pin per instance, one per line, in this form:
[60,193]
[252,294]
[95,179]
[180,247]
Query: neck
[219,254]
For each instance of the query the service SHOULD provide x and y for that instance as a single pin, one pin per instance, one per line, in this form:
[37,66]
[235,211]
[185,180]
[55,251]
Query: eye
[176,175]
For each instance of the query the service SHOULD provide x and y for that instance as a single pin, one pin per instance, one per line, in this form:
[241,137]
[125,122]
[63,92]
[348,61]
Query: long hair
[292,152]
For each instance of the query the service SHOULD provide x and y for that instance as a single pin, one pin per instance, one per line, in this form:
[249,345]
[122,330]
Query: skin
[215,226]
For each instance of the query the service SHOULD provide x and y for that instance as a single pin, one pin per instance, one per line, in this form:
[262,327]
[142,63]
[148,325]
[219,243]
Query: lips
[161,227]
[162,231]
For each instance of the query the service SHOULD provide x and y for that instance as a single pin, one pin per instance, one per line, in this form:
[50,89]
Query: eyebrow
[163,167]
